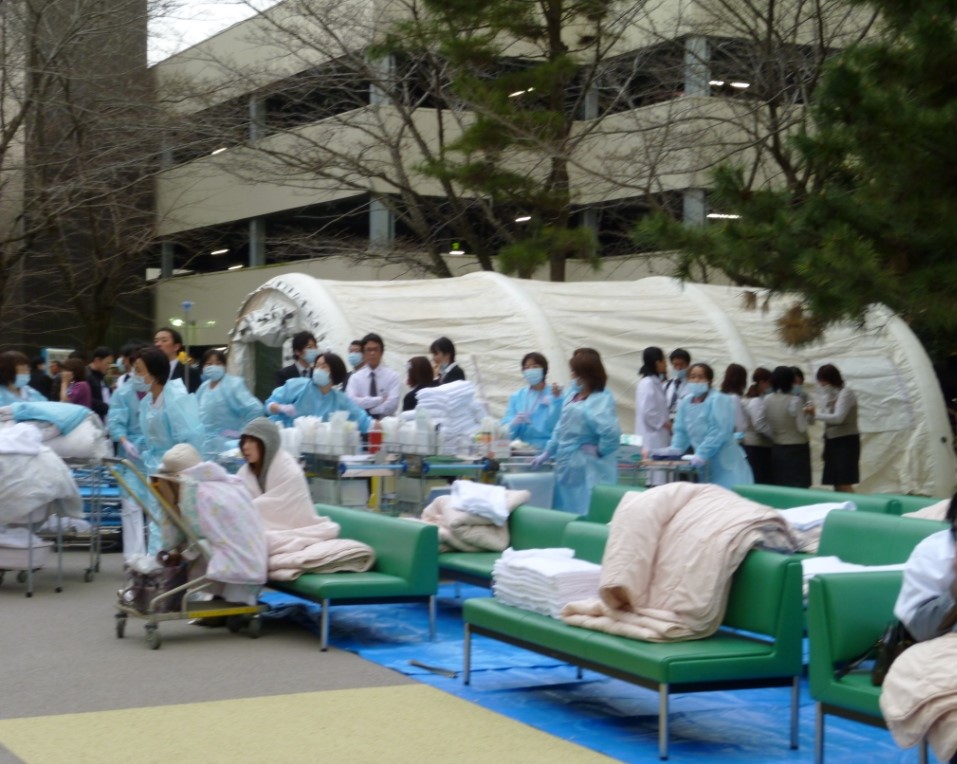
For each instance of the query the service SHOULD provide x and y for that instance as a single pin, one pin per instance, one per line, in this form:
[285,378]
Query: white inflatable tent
[494,320]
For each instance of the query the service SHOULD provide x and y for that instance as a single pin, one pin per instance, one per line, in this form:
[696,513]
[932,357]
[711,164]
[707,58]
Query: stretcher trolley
[168,594]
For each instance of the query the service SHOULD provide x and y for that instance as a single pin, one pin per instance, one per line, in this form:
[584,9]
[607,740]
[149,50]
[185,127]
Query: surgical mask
[697,389]
[213,373]
[310,355]
[118,367]
[534,376]
[443,366]
[139,384]
[797,389]
[354,359]
[320,377]
[22,380]
[681,373]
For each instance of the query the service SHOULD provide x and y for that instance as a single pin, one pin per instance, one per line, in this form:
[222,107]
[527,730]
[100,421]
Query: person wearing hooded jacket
[274,478]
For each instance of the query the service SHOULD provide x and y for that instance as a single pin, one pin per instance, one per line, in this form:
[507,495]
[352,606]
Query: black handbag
[895,640]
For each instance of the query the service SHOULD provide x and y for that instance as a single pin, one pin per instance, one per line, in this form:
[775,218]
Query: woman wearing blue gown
[705,422]
[318,396]
[168,415]
[585,441]
[533,411]
[15,379]
[225,404]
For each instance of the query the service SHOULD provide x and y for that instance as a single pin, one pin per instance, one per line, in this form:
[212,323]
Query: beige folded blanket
[461,531]
[671,553]
[919,696]
[315,549]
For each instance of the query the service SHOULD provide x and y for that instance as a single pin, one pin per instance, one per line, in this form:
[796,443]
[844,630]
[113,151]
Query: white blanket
[35,486]
[488,501]
[671,553]
[543,580]
[919,696]
[937,511]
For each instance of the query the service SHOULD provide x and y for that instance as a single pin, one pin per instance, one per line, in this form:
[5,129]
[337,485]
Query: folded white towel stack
[544,580]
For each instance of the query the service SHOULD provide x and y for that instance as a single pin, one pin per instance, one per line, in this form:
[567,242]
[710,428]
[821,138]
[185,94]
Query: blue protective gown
[309,400]
[708,427]
[174,419]
[225,410]
[27,394]
[543,410]
[593,421]
[123,419]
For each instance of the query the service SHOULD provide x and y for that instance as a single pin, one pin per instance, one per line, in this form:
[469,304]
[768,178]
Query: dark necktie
[674,393]
[373,390]
[305,372]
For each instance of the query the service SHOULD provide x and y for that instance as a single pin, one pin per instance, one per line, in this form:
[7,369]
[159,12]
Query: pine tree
[875,218]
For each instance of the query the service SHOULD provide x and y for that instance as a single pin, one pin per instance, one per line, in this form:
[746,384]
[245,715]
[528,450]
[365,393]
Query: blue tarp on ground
[607,715]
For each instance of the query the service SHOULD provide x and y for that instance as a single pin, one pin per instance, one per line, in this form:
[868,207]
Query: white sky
[195,21]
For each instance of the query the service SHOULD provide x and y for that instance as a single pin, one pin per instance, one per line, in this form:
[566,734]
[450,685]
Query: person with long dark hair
[585,441]
[652,413]
[790,451]
[757,435]
[842,439]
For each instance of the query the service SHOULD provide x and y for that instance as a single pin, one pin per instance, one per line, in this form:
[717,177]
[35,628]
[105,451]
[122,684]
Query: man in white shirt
[374,387]
[676,384]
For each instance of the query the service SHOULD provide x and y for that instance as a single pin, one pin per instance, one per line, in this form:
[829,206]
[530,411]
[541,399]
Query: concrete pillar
[257,242]
[693,206]
[381,224]
[382,70]
[257,117]
[697,66]
[167,259]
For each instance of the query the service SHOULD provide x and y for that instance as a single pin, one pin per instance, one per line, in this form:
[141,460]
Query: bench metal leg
[467,656]
[579,672]
[662,721]
[818,734]
[324,627]
[922,751]
[432,618]
[795,710]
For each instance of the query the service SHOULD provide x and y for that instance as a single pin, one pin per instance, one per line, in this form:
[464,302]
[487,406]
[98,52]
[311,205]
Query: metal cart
[237,615]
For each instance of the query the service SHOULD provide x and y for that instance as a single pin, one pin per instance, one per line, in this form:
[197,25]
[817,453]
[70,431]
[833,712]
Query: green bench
[847,612]
[406,567]
[866,538]
[909,502]
[528,528]
[604,501]
[765,600]
[785,497]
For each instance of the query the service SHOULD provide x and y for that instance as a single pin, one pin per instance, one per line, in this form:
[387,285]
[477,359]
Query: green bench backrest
[416,558]
[866,538]
[785,497]
[537,528]
[847,612]
[911,503]
[587,539]
[604,500]
[765,596]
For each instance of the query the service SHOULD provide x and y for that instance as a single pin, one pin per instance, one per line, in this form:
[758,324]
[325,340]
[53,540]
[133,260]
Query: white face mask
[310,355]
[139,384]
[213,372]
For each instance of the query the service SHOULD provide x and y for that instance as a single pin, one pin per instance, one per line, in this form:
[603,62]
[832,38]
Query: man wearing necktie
[374,387]
[675,386]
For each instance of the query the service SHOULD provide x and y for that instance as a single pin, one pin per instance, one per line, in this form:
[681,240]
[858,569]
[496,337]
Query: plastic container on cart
[18,558]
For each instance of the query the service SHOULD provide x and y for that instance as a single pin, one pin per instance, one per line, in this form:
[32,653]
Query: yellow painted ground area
[410,723]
